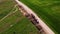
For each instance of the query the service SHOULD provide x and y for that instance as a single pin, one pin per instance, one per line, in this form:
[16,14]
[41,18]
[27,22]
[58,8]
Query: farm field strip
[10,25]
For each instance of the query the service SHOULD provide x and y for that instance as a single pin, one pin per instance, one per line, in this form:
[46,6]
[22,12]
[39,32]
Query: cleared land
[12,21]
[48,11]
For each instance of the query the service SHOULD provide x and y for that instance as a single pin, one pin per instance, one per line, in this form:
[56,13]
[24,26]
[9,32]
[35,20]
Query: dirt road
[41,23]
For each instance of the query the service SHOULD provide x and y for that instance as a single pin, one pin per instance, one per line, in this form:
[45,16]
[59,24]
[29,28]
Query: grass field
[12,21]
[48,11]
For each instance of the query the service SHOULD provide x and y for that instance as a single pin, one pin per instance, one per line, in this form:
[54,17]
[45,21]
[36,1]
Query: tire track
[9,13]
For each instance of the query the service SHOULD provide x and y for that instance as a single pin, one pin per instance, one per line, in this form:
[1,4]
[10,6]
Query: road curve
[41,23]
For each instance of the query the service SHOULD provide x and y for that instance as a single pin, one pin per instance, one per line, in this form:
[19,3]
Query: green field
[16,23]
[12,21]
[48,11]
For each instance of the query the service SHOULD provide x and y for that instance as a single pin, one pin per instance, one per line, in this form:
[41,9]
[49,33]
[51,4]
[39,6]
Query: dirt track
[41,23]
[9,13]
